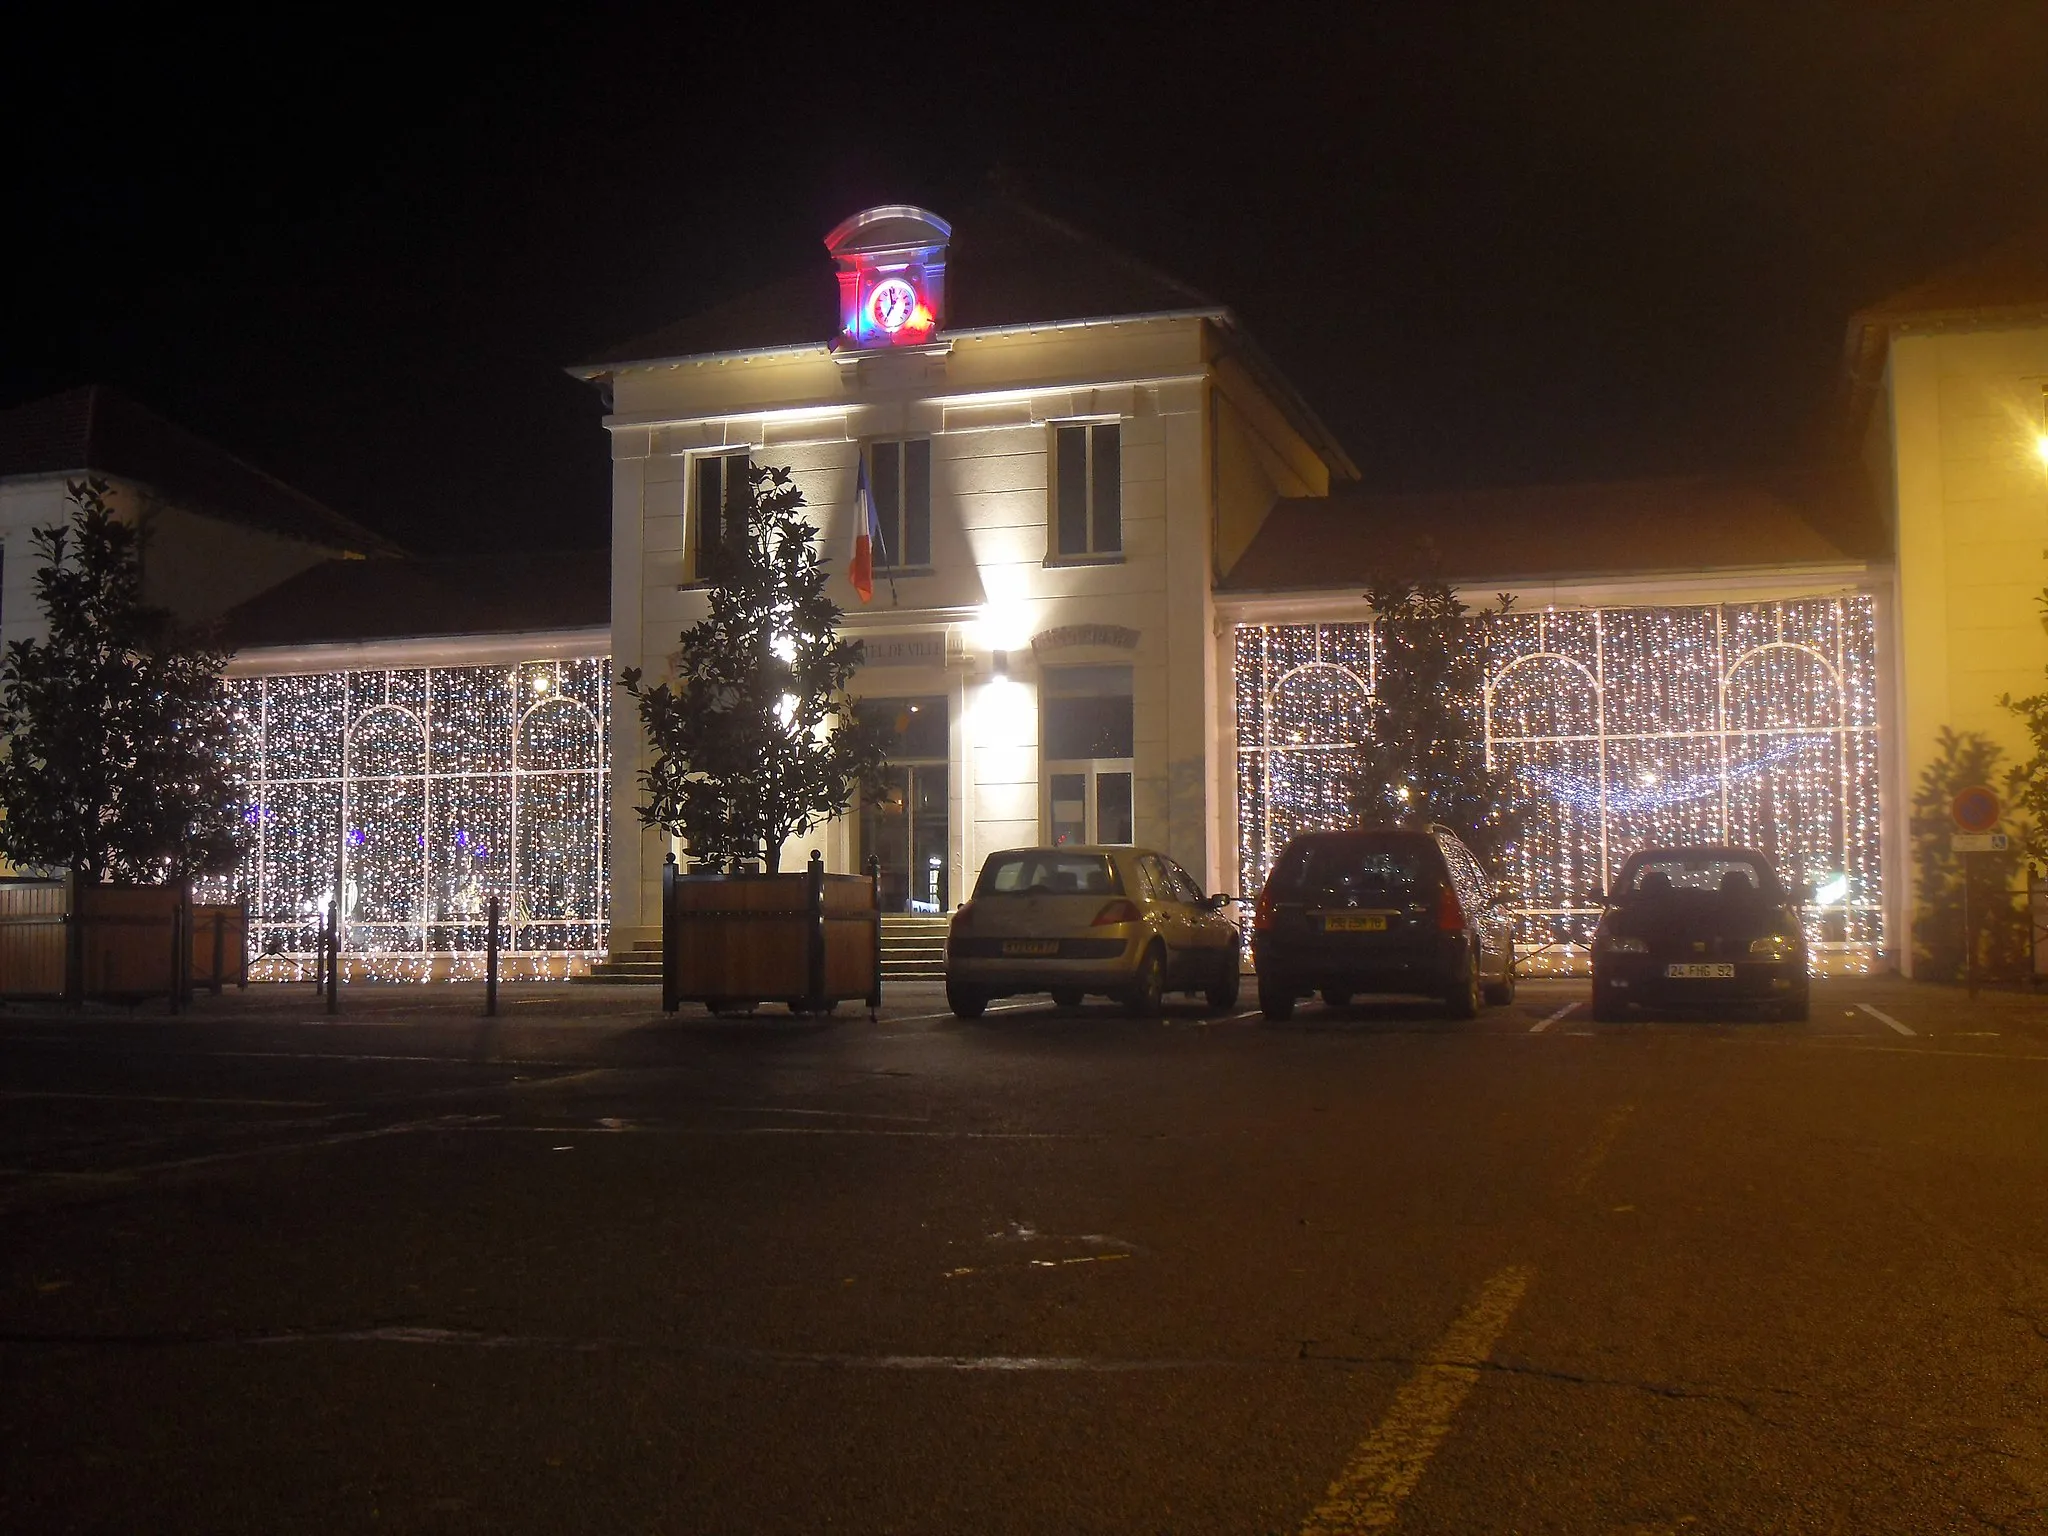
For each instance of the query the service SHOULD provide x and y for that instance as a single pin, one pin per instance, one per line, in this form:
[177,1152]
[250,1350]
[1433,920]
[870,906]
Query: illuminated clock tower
[892,277]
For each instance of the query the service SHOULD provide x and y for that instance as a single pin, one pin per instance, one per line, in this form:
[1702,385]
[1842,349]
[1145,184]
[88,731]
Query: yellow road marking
[1384,1470]
[1603,1143]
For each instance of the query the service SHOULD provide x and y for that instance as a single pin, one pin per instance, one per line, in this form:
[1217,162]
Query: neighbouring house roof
[95,429]
[2011,278]
[1008,265]
[1612,529]
[345,601]
[2006,283]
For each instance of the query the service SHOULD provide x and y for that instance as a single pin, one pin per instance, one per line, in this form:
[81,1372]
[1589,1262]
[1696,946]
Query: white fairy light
[429,791]
[1751,723]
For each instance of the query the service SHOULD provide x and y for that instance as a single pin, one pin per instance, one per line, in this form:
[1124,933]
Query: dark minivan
[1380,910]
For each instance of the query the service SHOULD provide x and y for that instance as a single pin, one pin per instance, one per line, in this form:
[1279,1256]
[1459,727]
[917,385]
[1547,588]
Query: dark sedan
[1699,927]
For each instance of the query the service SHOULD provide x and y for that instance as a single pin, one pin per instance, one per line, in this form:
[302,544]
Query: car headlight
[1624,944]
[1774,946]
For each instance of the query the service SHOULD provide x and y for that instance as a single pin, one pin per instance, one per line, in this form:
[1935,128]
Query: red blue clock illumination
[892,304]
[896,312]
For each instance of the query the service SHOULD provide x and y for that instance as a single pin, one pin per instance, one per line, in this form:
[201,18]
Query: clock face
[892,304]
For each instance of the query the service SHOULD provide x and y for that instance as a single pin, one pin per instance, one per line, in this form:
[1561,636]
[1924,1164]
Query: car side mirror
[1802,893]
[1218,902]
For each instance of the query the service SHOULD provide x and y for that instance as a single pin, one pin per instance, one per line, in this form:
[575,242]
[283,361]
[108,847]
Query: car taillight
[1262,911]
[1450,917]
[1123,910]
[964,917]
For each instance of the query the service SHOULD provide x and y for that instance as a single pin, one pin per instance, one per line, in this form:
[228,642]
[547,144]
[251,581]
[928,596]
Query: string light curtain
[417,795]
[1748,723]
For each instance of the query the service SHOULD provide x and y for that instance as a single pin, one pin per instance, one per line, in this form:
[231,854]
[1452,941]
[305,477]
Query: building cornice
[825,410]
[422,651]
[1677,588]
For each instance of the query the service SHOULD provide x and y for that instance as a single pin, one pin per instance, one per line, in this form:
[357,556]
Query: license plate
[1723,971]
[1354,922]
[1031,946]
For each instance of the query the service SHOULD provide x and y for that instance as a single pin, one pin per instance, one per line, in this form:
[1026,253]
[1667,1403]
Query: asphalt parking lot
[584,1267]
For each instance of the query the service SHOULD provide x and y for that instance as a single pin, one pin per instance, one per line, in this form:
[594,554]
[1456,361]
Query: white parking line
[1542,1024]
[1884,1018]
[1384,1470]
[947,1013]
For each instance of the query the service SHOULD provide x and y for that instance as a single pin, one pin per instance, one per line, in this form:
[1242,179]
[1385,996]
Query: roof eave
[590,373]
[1231,601]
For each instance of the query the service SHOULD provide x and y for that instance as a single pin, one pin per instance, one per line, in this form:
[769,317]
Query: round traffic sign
[1976,809]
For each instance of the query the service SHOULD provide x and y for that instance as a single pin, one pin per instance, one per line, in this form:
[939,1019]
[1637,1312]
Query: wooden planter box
[732,941]
[60,939]
[220,945]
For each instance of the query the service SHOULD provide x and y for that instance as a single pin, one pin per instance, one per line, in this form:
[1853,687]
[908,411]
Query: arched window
[559,812]
[384,813]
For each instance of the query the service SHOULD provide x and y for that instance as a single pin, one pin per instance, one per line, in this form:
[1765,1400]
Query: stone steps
[913,949]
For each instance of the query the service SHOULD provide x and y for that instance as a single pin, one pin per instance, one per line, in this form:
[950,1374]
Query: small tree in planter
[1963,760]
[120,740]
[755,740]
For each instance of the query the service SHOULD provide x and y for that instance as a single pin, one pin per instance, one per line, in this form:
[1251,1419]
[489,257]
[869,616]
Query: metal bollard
[334,958]
[491,962]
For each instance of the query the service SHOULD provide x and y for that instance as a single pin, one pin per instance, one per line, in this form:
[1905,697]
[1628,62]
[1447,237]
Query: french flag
[867,530]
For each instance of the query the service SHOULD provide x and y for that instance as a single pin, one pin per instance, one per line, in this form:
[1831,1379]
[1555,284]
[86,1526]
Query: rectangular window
[717,481]
[900,475]
[1088,516]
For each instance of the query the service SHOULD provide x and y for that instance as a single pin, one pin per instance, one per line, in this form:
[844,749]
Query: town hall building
[1119,597]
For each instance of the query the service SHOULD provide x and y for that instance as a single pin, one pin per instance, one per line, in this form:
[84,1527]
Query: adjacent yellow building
[1948,382]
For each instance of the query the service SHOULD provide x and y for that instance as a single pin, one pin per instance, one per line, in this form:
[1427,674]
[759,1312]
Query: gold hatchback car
[1125,923]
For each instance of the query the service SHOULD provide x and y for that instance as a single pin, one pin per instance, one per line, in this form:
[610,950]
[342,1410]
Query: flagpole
[888,562]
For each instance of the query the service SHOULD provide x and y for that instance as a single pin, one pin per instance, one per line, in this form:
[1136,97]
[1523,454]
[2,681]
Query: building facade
[1065,449]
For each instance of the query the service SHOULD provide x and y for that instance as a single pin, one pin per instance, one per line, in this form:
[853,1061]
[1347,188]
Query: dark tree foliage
[1964,760]
[2026,785]
[120,739]
[755,740]
[1424,759]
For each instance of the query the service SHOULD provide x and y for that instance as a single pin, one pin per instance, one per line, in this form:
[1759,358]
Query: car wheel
[1463,1002]
[1221,994]
[1066,997]
[1276,1001]
[1795,1008]
[965,1002]
[1149,990]
[1336,997]
[1609,1006]
[1502,992]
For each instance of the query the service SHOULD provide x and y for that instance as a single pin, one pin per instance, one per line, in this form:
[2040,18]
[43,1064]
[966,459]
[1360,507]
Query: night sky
[1490,244]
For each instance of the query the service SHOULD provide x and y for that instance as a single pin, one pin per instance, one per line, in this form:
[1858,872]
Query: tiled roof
[2008,279]
[344,601]
[2008,282]
[94,428]
[1007,264]
[1562,532]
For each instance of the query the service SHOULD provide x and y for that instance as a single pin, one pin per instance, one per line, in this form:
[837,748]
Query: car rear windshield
[1357,867]
[1040,872]
[1730,874]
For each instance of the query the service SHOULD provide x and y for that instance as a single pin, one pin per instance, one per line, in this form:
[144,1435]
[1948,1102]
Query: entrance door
[1086,728]
[1089,802]
[906,829]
